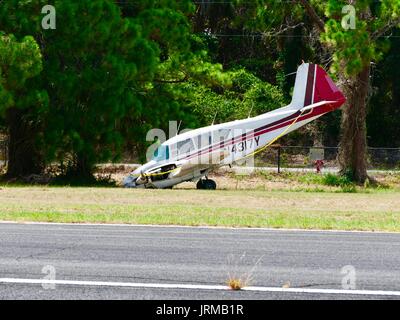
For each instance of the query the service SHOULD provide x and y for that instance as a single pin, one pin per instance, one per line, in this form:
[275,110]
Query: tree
[110,70]
[20,103]
[353,51]
[350,52]
[183,60]
[91,62]
[383,115]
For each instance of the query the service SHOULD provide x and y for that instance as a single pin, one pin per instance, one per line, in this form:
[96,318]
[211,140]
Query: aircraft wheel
[199,185]
[207,184]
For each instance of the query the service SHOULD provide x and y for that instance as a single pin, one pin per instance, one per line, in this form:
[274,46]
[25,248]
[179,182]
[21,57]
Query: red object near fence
[318,165]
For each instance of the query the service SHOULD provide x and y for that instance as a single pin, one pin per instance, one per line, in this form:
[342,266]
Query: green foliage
[311,178]
[19,62]
[240,95]
[113,70]
[356,48]
[383,110]
[109,73]
[337,180]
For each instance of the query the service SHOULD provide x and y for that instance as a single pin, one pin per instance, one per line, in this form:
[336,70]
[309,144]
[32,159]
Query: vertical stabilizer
[313,85]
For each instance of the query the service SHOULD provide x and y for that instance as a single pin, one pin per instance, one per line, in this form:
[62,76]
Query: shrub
[336,180]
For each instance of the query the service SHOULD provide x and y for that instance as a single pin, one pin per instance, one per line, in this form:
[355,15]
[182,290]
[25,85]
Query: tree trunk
[80,170]
[83,168]
[353,143]
[23,156]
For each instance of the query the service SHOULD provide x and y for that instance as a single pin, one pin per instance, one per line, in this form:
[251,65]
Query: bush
[337,181]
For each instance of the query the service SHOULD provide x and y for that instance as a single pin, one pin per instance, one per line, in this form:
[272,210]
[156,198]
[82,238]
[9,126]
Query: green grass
[376,210]
[327,182]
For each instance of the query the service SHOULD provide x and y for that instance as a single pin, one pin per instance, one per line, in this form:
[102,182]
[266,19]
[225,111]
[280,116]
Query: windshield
[161,153]
[185,146]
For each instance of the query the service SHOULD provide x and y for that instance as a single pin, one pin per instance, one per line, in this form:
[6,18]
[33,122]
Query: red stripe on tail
[326,90]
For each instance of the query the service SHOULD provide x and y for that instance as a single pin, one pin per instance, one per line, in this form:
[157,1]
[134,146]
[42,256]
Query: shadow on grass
[83,181]
[59,181]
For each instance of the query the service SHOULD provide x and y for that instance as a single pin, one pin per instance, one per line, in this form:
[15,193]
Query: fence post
[279,158]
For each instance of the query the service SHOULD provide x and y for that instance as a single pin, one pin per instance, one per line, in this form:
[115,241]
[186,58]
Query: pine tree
[20,103]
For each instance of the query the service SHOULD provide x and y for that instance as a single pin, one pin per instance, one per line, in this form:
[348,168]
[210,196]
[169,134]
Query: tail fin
[313,85]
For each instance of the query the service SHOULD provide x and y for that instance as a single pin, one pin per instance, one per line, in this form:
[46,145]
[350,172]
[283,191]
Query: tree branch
[388,27]
[313,15]
[283,29]
[172,81]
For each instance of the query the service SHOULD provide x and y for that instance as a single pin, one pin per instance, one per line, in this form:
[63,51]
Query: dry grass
[229,179]
[39,198]
[237,277]
[236,284]
[377,210]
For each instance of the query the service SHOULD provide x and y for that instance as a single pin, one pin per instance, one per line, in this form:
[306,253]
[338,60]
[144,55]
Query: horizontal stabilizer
[314,105]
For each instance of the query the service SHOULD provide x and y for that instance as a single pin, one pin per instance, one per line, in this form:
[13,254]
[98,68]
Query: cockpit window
[221,135]
[185,146]
[203,140]
[161,153]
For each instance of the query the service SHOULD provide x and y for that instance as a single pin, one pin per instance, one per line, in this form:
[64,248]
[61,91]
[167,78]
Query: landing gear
[206,184]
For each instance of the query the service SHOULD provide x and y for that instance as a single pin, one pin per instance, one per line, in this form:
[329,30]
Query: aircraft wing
[199,163]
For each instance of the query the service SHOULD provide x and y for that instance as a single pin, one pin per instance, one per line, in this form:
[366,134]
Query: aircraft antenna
[179,126]
[215,116]
[251,109]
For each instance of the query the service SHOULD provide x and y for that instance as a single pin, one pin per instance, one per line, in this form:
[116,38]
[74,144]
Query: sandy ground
[229,179]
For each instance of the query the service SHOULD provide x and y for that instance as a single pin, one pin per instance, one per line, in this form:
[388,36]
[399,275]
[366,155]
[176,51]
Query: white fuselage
[229,143]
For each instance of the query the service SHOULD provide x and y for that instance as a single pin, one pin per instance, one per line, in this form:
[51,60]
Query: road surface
[144,262]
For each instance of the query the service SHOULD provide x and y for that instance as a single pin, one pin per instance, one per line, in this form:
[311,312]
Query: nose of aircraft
[129,182]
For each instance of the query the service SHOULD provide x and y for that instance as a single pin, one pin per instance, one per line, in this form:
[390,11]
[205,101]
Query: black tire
[200,185]
[209,184]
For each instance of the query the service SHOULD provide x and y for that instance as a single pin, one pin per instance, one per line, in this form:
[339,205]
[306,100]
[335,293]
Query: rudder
[313,85]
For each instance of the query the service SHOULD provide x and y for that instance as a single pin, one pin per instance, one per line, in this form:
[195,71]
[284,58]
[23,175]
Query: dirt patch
[234,179]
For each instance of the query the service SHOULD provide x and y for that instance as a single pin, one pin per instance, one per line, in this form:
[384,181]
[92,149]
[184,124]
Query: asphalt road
[196,256]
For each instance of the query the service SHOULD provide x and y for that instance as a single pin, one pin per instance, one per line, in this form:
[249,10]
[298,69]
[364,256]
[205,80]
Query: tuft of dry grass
[237,279]
[236,284]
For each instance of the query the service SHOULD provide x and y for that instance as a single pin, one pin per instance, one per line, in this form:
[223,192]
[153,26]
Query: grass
[309,182]
[378,210]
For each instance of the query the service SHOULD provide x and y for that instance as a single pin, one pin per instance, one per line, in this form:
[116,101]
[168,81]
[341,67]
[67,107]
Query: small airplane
[191,155]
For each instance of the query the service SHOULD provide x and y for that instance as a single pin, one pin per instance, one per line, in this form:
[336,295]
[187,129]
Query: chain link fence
[297,157]
[306,157]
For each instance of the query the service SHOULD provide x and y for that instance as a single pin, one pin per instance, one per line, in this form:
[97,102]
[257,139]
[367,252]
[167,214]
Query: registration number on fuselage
[245,145]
